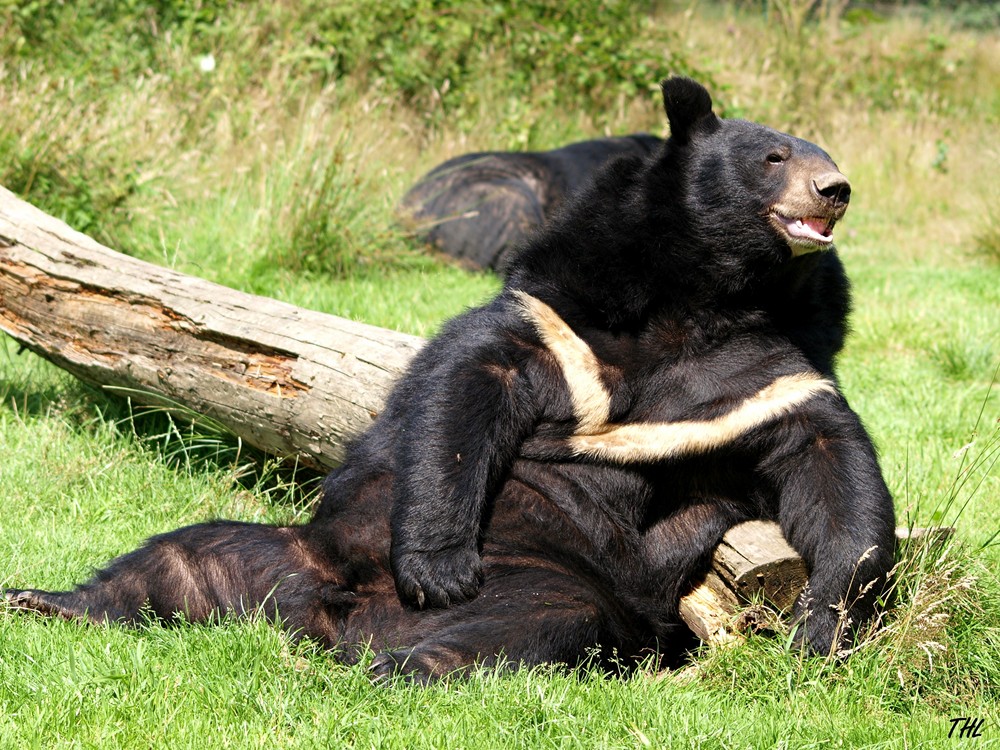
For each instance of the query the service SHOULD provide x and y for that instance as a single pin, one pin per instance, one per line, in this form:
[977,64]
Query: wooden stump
[755,577]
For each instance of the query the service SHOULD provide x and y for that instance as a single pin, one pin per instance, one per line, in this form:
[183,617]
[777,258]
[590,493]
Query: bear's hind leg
[523,617]
[205,571]
[160,579]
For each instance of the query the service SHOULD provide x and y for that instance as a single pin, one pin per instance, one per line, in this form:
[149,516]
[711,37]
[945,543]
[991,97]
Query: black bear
[479,207]
[557,466]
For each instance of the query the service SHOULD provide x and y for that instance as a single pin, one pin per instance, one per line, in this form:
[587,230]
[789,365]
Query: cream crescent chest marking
[581,369]
[596,437]
[653,441]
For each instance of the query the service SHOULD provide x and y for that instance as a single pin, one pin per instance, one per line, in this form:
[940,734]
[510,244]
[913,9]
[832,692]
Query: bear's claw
[28,600]
[439,580]
[401,663]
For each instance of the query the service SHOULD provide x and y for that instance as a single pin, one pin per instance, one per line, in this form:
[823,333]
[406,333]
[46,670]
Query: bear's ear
[687,103]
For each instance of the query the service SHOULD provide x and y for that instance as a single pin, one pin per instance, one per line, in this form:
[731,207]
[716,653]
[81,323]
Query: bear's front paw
[819,629]
[438,579]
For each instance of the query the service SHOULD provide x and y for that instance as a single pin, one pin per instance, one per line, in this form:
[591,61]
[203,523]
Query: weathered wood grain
[289,381]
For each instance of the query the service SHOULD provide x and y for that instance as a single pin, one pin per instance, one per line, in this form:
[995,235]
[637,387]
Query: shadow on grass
[181,438]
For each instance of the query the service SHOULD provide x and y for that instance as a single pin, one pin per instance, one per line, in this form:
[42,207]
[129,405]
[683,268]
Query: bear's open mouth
[806,232]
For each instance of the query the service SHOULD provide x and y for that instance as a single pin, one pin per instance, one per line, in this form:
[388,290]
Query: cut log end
[755,576]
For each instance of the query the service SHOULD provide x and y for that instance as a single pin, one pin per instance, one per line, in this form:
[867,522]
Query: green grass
[278,696]
[278,173]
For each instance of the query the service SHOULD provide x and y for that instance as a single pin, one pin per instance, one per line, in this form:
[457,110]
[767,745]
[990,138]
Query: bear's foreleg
[460,440]
[836,511]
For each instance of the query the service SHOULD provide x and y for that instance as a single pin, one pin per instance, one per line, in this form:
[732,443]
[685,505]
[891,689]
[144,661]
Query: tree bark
[288,381]
[753,565]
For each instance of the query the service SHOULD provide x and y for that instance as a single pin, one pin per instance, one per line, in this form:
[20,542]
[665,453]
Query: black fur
[479,207]
[464,489]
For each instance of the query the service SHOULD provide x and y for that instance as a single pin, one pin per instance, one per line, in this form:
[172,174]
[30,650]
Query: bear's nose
[834,187]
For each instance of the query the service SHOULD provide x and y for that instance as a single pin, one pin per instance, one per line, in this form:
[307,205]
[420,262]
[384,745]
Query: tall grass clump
[988,238]
[825,54]
[939,639]
[322,219]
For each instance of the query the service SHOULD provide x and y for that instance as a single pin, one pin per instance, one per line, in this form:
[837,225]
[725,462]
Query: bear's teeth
[810,228]
[804,231]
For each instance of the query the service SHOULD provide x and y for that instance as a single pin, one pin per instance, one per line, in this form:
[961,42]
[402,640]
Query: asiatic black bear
[480,207]
[558,465]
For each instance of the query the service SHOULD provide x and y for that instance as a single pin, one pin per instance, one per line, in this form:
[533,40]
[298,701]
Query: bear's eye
[775,158]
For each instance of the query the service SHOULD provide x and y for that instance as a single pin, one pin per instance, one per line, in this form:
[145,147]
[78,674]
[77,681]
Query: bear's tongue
[810,227]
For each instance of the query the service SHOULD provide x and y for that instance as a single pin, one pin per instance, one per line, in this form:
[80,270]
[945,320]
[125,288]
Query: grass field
[264,147]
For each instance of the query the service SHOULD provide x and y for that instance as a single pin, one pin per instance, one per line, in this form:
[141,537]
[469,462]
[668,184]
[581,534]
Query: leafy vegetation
[264,146]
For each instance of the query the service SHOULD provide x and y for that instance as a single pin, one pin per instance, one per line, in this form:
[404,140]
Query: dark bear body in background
[478,207]
[557,465]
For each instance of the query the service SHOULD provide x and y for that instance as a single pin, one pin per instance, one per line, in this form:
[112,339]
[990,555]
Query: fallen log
[289,381]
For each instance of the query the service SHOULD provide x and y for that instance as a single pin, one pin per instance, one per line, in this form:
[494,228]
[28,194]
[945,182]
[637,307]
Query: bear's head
[748,182]
[724,210]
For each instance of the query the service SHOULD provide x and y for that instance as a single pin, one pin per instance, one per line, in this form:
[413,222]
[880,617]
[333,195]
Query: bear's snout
[834,188]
